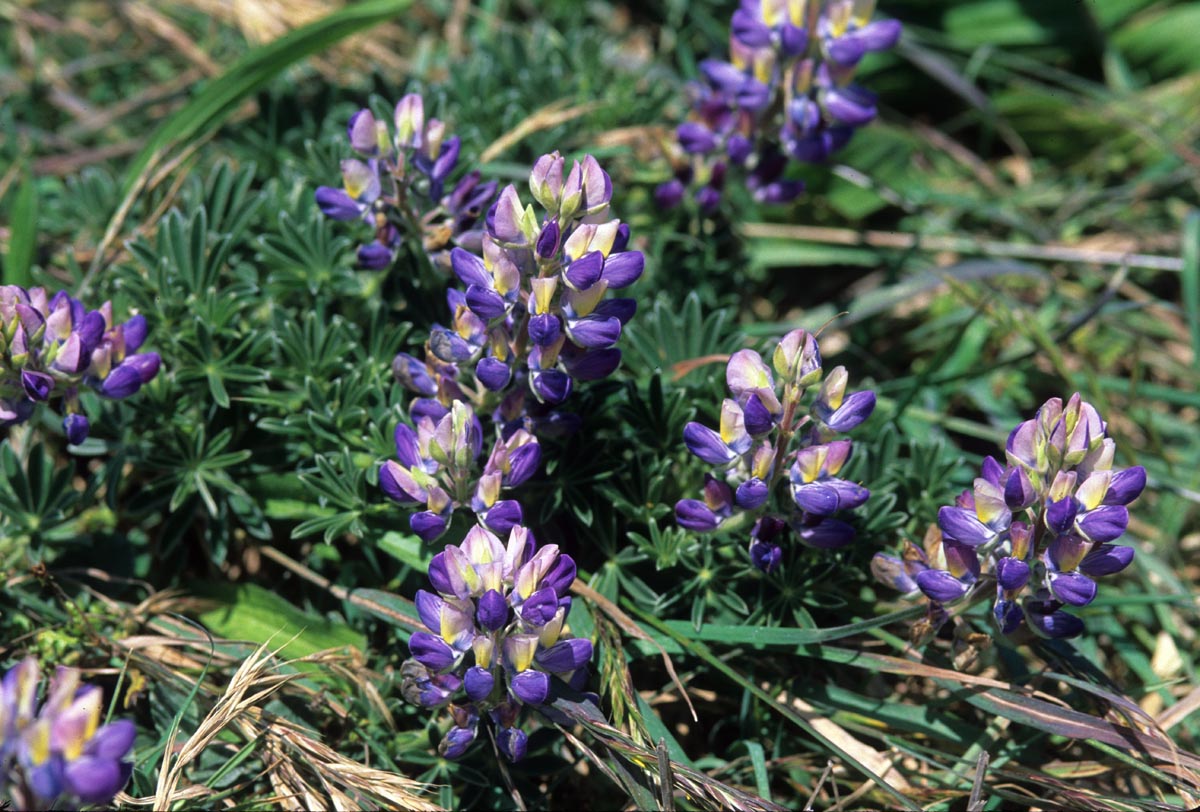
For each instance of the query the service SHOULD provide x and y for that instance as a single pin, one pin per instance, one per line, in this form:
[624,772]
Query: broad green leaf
[387,607]
[249,612]
[407,549]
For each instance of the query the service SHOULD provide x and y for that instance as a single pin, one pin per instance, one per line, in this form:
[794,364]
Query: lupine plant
[437,468]
[533,318]
[786,94]
[765,431]
[51,346]
[398,187]
[1039,529]
[59,755]
[496,636]
[229,540]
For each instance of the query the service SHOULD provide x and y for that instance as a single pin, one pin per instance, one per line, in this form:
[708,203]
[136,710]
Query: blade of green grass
[1191,277]
[777,636]
[22,243]
[759,760]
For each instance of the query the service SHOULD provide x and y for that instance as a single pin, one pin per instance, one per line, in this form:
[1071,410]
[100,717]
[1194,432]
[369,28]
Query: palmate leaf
[36,497]
[670,336]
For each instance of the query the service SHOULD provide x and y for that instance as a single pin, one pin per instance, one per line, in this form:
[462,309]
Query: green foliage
[1021,224]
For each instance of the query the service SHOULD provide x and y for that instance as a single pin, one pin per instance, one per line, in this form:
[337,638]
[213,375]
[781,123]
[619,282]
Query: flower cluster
[399,187]
[49,347]
[753,445]
[60,755]
[532,317]
[786,93]
[438,464]
[1041,527]
[496,636]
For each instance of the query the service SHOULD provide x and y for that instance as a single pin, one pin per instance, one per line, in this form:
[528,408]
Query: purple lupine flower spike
[751,435]
[1042,526]
[786,94]
[384,192]
[51,346]
[499,616]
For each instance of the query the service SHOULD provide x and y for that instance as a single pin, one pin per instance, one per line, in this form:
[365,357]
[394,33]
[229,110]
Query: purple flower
[499,615]
[66,755]
[54,345]
[1060,477]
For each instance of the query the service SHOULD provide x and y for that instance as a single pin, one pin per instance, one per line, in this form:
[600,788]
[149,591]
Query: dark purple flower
[550,386]
[941,586]
[854,409]
[963,526]
[561,575]
[76,427]
[1106,559]
[523,463]
[539,608]
[851,105]
[457,741]
[749,30]
[431,651]
[492,612]
[544,329]
[827,534]
[1019,492]
[335,203]
[512,743]
[1012,573]
[759,419]
[1008,615]
[765,556]
[1105,523]
[531,687]
[566,655]
[134,331]
[37,385]
[121,382]
[622,269]
[478,683]
[1052,622]
[669,195]
[146,364]
[374,256]
[1126,486]
[692,514]
[828,496]
[707,445]
[547,241]
[1072,588]
[592,365]
[751,494]
[503,516]
[695,137]
[427,525]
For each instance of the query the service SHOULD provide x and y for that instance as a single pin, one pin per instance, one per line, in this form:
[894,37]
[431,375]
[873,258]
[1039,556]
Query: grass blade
[22,244]
[1191,278]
